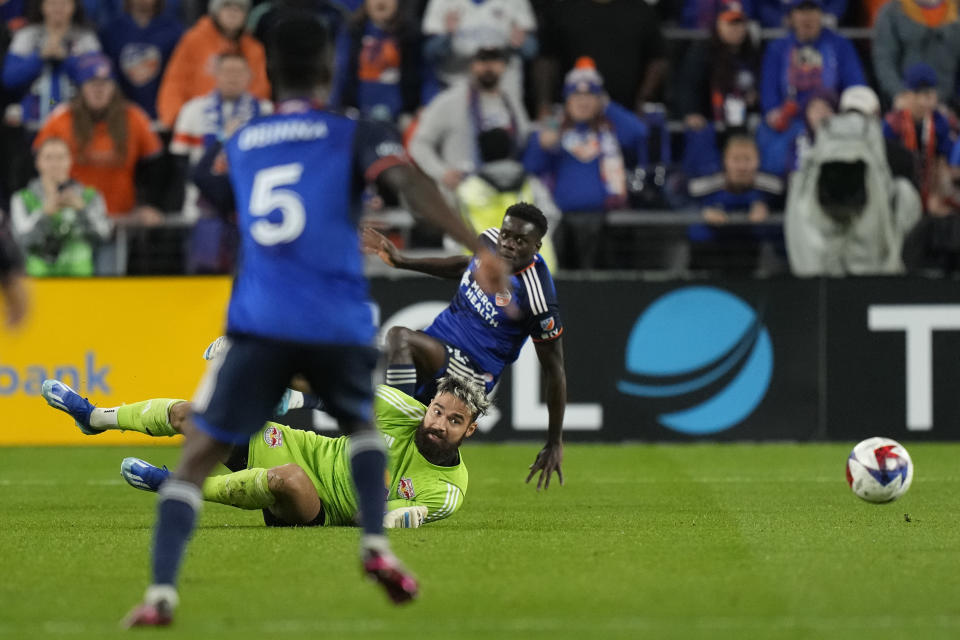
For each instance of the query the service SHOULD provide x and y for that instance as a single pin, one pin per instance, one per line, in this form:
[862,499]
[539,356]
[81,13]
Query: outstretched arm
[427,203]
[550,457]
[450,267]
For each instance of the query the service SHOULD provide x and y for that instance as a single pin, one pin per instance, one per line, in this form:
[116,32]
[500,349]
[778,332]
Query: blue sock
[368,462]
[176,516]
[402,377]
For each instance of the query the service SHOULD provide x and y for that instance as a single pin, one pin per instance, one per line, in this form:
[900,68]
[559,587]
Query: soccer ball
[879,470]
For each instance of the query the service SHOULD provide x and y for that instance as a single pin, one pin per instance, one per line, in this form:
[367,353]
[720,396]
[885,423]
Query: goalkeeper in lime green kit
[300,478]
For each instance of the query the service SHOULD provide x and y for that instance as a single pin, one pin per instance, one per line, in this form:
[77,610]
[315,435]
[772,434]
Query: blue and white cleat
[215,348]
[60,396]
[140,474]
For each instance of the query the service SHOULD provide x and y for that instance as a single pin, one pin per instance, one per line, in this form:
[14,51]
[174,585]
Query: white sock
[296,399]
[374,542]
[104,418]
[157,592]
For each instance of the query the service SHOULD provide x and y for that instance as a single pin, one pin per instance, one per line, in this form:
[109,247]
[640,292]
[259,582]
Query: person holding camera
[58,221]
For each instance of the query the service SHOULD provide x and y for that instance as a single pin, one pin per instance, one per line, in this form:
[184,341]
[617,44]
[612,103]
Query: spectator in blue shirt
[42,55]
[139,41]
[739,188]
[773,13]
[583,158]
[378,62]
[809,58]
[584,155]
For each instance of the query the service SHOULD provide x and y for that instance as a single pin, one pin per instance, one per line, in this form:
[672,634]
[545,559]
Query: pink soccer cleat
[149,615]
[384,568]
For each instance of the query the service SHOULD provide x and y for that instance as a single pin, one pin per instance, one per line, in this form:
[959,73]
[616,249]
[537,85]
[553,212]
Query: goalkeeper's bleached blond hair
[466,391]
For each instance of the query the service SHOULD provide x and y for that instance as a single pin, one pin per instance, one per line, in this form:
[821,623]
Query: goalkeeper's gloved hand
[405,518]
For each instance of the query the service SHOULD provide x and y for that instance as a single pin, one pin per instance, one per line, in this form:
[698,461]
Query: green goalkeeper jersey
[411,480]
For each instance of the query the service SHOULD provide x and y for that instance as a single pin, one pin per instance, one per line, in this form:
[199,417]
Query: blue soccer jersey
[480,325]
[297,176]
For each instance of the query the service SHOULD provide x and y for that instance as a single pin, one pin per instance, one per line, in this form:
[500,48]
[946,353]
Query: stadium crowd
[720,113]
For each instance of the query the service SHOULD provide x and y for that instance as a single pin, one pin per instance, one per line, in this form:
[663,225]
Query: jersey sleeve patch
[547,336]
[545,323]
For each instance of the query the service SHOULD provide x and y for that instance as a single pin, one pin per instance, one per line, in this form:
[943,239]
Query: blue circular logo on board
[703,356]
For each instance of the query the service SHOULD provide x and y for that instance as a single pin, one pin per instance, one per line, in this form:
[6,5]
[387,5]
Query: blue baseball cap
[920,76]
[92,66]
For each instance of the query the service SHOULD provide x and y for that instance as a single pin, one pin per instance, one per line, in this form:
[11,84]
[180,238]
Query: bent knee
[178,416]
[288,478]
[398,338]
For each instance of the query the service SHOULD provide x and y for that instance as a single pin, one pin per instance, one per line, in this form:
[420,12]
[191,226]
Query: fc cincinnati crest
[273,437]
[503,298]
[405,489]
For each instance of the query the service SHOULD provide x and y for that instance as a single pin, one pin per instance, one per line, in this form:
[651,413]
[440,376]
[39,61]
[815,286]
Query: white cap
[483,36]
[860,98]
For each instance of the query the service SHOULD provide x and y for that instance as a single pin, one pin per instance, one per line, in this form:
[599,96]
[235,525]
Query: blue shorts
[460,364]
[243,384]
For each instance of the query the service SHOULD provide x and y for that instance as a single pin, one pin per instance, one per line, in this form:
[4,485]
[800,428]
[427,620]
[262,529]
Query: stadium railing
[640,240]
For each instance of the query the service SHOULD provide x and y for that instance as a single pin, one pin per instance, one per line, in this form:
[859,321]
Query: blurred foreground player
[300,302]
[300,478]
[479,334]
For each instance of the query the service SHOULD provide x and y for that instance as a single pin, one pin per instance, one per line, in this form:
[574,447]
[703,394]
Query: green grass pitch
[644,541]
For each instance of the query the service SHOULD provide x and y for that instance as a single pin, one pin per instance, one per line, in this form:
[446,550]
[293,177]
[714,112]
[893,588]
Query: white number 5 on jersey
[269,195]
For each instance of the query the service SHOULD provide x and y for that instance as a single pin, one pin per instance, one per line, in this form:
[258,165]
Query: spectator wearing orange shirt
[192,66]
[108,137]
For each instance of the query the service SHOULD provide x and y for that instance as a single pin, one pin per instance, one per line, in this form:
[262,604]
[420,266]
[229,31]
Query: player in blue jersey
[300,303]
[480,334]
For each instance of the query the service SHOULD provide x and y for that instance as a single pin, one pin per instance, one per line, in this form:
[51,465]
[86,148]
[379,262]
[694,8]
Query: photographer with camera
[58,221]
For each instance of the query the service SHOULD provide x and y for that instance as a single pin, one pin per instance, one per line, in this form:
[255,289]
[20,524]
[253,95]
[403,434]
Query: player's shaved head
[297,54]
